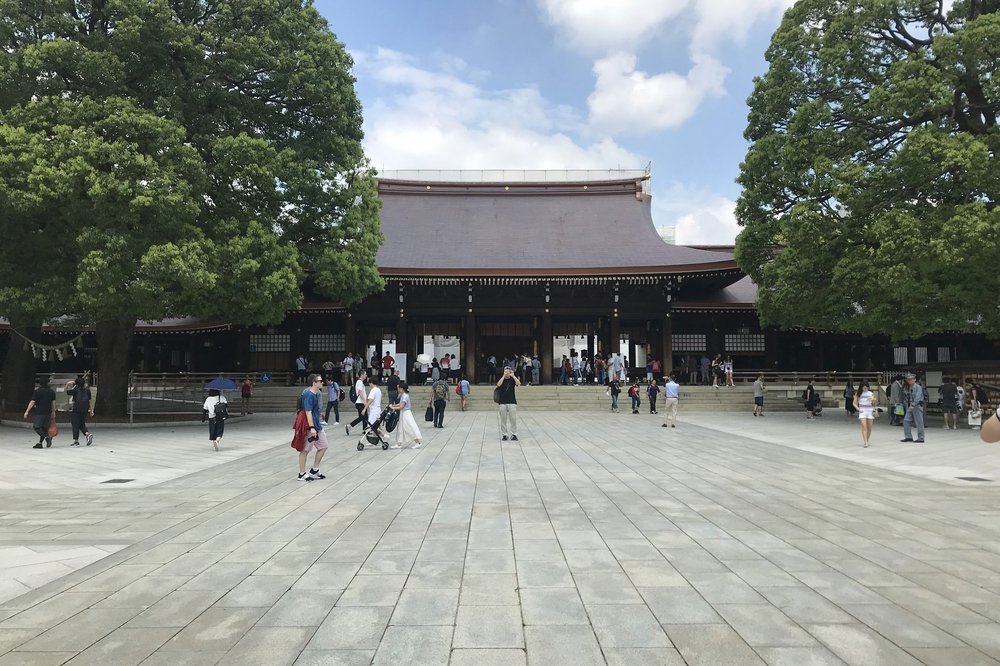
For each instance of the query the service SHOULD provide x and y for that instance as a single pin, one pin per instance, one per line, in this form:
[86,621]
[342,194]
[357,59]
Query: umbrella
[424,359]
[221,384]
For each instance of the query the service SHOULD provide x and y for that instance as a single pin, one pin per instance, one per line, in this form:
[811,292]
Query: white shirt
[210,402]
[376,407]
[348,363]
[300,363]
[359,388]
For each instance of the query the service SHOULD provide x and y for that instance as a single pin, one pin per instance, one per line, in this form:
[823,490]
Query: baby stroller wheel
[361,446]
[385,445]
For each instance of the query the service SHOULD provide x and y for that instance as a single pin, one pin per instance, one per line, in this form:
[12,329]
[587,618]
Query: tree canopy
[168,157]
[871,182]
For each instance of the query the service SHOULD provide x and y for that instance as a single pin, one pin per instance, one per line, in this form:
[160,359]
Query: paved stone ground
[595,539]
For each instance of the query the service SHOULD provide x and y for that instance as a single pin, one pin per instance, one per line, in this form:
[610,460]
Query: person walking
[332,402]
[915,397]
[692,365]
[758,395]
[811,399]
[865,404]
[440,397]
[407,432]
[373,405]
[614,390]
[657,367]
[392,386]
[316,438]
[705,366]
[649,371]
[216,407]
[300,368]
[618,368]
[508,405]
[896,406]
[949,403]
[348,366]
[849,395]
[491,367]
[445,368]
[464,388]
[633,392]
[360,400]
[599,370]
[727,371]
[83,406]
[246,392]
[42,408]
[652,392]
[671,396]
[536,371]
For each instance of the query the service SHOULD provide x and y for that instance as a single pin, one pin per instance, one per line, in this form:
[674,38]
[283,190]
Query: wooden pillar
[668,343]
[401,337]
[546,347]
[349,335]
[616,335]
[469,360]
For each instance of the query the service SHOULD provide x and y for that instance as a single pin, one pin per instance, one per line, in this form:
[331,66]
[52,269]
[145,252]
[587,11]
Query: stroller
[373,434]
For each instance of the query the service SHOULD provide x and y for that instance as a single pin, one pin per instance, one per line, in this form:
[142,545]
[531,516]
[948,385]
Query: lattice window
[690,342]
[270,343]
[328,342]
[744,342]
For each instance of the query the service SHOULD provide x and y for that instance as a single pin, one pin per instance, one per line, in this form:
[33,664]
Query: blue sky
[559,84]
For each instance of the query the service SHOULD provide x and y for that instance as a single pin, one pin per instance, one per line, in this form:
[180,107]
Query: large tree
[872,179]
[258,98]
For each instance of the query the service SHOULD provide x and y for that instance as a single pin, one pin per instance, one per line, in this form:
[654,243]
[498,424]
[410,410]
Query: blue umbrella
[221,384]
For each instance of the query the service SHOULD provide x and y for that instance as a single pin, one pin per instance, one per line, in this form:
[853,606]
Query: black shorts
[758,400]
[949,408]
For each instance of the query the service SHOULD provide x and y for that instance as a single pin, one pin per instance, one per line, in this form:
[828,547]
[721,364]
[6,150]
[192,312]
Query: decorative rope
[61,351]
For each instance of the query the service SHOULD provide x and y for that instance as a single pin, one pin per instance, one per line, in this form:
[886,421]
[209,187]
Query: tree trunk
[114,347]
[19,367]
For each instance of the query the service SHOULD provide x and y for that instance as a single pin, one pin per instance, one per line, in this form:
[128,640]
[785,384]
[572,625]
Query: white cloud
[720,21]
[438,120]
[599,27]
[628,101]
[711,224]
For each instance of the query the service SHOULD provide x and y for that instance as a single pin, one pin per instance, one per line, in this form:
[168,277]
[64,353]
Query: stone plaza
[594,539]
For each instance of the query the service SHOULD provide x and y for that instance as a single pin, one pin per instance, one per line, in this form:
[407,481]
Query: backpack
[221,410]
[300,403]
[340,395]
[440,391]
[354,392]
[805,394]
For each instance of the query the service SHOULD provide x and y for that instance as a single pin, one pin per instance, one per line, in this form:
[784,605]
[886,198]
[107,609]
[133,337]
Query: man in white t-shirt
[359,403]
[373,405]
[348,367]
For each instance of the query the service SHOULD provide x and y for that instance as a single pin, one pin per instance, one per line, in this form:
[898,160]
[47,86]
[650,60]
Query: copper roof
[556,228]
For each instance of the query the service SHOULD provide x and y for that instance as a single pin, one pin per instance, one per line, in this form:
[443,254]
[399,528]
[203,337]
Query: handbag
[496,395]
[429,414]
[899,410]
[53,428]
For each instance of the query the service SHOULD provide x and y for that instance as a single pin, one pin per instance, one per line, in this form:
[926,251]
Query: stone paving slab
[592,540]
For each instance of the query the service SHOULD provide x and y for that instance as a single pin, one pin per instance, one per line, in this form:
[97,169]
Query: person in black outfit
[43,408]
[508,405]
[392,386]
[82,406]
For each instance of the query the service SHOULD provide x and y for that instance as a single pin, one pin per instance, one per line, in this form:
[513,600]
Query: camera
[312,438]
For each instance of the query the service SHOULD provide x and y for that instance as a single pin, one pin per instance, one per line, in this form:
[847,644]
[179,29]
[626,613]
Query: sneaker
[504,438]
[416,446]
[347,429]
[336,423]
[37,446]
[305,477]
[513,438]
[907,439]
[75,444]
[918,441]
[316,474]
[663,425]
[48,442]
[90,438]
[673,425]
[322,422]
[215,444]
[395,446]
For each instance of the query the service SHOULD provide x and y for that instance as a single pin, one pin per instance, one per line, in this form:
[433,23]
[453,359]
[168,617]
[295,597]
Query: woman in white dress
[866,403]
[407,431]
